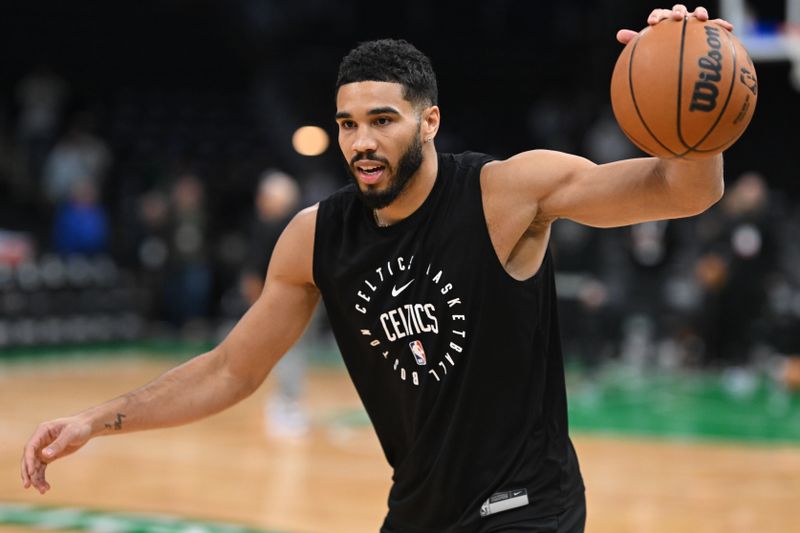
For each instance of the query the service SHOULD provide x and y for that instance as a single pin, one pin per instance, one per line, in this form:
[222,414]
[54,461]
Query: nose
[364,141]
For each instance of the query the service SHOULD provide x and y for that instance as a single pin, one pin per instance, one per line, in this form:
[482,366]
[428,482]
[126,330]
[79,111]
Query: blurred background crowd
[151,152]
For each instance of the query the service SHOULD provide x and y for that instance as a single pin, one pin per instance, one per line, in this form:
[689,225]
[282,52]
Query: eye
[347,124]
[383,121]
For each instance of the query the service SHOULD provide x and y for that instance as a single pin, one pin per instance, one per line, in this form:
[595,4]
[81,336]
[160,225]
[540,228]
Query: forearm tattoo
[117,425]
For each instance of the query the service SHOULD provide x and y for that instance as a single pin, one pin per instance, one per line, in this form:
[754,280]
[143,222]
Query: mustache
[368,157]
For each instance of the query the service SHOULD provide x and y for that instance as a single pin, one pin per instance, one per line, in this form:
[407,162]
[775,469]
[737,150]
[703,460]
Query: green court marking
[319,355]
[740,407]
[616,401]
[348,417]
[68,518]
[156,349]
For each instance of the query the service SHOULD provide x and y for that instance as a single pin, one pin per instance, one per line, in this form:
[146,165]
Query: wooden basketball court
[225,469]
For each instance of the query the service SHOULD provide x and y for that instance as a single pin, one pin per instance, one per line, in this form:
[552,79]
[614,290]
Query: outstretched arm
[553,185]
[210,382]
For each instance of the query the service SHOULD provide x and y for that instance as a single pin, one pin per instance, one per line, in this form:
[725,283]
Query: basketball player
[436,275]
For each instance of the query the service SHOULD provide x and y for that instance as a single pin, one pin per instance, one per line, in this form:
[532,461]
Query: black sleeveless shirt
[458,365]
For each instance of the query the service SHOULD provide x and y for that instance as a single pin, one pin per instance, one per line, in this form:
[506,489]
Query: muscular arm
[625,192]
[523,195]
[210,382]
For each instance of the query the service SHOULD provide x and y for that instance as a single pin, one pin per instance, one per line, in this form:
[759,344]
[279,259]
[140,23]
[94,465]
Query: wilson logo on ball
[706,90]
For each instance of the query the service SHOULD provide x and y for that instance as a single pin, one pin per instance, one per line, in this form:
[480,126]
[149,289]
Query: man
[435,273]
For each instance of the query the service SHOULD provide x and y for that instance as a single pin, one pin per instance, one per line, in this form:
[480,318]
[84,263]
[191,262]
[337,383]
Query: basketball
[684,89]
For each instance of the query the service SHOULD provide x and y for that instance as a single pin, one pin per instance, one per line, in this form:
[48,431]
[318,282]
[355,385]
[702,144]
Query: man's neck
[417,190]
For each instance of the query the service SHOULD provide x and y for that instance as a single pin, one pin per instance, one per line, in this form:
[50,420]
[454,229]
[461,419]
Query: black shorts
[572,520]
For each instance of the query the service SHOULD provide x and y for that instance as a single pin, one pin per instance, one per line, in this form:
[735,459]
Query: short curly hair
[391,60]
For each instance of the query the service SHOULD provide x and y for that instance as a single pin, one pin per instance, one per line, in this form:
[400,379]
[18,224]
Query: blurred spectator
[648,323]
[188,283]
[735,270]
[78,156]
[277,201]
[151,248]
[588,321]
[153,228]
[40,96]
[81,223]
[784,290]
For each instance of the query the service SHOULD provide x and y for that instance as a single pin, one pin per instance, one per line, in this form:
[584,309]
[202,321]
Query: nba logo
[419,352]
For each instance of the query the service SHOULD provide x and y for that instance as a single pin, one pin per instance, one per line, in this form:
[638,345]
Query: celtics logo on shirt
[413,319]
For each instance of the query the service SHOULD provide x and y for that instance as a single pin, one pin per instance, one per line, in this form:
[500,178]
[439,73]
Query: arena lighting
[310,140]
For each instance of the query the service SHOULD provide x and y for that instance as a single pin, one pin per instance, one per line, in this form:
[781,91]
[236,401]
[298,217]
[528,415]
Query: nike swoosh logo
[396,291]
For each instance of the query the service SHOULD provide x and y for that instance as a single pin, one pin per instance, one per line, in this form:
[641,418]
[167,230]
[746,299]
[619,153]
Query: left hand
[678,12]
[51,440]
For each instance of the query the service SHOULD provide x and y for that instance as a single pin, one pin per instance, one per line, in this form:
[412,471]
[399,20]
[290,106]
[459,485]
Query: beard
[408,164]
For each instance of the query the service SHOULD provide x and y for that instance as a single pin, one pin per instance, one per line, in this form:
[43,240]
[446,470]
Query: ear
[430,122]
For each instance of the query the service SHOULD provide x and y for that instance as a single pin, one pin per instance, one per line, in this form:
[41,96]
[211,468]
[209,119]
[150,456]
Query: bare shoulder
[292,259]
[306,220]
[299,233]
